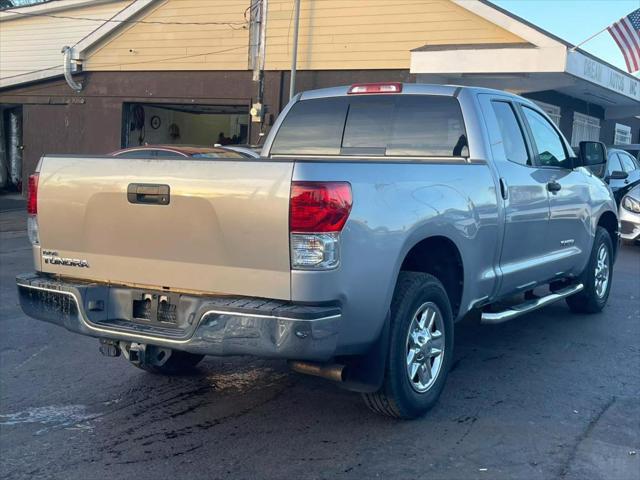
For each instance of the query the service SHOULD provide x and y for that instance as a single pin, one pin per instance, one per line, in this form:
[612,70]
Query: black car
[623,172]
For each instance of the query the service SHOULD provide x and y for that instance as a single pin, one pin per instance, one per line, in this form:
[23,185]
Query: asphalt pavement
[552,395]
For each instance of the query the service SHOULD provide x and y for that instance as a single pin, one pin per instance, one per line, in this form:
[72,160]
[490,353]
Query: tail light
[361,88]
[32,209]
[318,212]
[32,195]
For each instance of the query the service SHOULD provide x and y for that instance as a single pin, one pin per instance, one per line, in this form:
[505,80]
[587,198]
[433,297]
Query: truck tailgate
[224,230]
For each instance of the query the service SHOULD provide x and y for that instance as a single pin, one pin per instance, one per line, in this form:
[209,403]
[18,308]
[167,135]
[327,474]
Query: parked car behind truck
[378,215]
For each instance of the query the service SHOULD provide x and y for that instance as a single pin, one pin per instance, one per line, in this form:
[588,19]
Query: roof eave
[49,8]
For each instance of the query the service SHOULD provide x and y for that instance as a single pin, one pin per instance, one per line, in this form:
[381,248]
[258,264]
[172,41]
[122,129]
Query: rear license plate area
[156,308]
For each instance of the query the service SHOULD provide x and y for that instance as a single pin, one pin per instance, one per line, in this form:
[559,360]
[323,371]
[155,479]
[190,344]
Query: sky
[577,20]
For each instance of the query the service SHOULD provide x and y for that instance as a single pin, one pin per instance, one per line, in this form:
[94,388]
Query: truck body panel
[224,229]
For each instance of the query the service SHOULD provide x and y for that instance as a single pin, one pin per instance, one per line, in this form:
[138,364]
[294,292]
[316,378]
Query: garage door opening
[176,124]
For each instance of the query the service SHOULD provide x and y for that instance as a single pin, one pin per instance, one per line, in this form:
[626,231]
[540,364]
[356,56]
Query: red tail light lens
[32,195]
[319,207]
[360,88]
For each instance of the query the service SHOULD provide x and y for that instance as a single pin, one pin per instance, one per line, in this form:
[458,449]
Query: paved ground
[550,396]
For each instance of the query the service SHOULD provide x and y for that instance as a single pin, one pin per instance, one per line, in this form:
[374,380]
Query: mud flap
[365,373]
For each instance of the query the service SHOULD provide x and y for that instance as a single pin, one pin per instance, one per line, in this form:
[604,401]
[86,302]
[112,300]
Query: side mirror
[618,175]
[592,155]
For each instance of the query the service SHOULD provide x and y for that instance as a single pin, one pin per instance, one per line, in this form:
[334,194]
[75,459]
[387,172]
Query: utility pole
[258,56]
[294,54]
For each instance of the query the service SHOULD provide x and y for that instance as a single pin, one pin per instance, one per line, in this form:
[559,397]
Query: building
[179,71]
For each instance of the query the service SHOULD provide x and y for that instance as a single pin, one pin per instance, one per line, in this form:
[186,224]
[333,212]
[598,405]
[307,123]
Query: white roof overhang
[543,63]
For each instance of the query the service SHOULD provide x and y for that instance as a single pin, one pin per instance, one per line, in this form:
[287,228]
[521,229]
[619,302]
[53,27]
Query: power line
[124,64]
[168,59]
[100,26]
[105,20]
[27,71]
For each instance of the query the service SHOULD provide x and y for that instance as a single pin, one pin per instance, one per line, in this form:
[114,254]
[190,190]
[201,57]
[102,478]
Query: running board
[529,306]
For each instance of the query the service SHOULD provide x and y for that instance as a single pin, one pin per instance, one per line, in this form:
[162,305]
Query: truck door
[569,239]
[525,250]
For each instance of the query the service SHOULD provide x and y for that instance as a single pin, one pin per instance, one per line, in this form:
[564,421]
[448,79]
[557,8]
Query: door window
[515,149]
[552,111]
[627,162]
[549,145]
[614,165]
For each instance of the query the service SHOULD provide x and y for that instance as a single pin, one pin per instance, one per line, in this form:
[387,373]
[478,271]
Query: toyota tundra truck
[377,216]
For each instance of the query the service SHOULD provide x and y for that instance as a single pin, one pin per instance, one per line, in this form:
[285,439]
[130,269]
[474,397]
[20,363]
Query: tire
[400,396]
[595,294]
[178,363]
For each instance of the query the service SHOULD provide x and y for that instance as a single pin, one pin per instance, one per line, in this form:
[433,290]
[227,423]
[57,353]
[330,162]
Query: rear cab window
[374,125]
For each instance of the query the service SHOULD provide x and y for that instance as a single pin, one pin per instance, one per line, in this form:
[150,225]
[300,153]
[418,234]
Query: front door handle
[554,186]
[147,193]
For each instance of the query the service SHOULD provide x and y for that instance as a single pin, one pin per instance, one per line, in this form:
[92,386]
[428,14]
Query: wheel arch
[439,256]
[609,221]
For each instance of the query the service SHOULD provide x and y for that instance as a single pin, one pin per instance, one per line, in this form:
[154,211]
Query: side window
[627,162]
[167,154]
[515,149]
[137,154]
[551,151]
[613,165]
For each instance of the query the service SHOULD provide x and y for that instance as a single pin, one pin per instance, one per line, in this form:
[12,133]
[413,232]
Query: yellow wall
[156,46]
[334,35]
[363,34]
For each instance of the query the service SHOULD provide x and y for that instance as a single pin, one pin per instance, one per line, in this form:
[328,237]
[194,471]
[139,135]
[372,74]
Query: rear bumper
[205,325]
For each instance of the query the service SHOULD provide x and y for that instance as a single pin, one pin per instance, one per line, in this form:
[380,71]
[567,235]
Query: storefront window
[585,128]
[622,135]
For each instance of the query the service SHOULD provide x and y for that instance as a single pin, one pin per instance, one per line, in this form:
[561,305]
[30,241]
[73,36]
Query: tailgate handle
[148,193]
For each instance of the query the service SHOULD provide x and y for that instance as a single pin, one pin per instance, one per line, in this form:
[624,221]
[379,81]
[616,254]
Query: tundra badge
[52,257]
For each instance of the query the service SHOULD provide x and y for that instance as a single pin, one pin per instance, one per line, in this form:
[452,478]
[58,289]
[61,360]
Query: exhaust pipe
[330,371]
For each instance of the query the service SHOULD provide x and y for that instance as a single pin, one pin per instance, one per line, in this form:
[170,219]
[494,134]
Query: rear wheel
[420,348]
[596,278]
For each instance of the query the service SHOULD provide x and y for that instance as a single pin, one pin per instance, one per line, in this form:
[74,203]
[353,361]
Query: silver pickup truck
[377,216]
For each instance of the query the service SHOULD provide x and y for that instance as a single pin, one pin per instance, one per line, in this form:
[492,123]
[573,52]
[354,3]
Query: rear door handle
[554,186]
[148,194]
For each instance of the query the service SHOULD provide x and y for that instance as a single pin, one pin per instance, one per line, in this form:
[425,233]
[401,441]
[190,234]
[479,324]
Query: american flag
[626,33]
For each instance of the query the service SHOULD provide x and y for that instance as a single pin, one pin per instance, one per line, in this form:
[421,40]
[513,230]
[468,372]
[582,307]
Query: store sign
[584,67]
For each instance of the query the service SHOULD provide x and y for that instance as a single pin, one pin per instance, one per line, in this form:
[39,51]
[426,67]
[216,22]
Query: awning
[525,68]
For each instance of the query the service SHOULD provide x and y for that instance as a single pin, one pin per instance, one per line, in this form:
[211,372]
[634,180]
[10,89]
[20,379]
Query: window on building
[515,150]
[552,111]
[585,128]
[551,151]
[622,135]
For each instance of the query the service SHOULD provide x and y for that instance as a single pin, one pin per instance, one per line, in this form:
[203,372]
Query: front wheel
[420,348]
[596,278]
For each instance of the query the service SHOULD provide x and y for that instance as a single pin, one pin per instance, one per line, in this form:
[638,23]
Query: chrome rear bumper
[203,324]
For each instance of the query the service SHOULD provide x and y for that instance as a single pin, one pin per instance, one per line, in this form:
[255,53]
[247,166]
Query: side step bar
[490,318]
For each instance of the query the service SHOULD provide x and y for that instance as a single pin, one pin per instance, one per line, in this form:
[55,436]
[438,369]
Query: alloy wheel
[425,347]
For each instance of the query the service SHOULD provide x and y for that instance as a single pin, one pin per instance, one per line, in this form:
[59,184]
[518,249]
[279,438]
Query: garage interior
[178,124]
